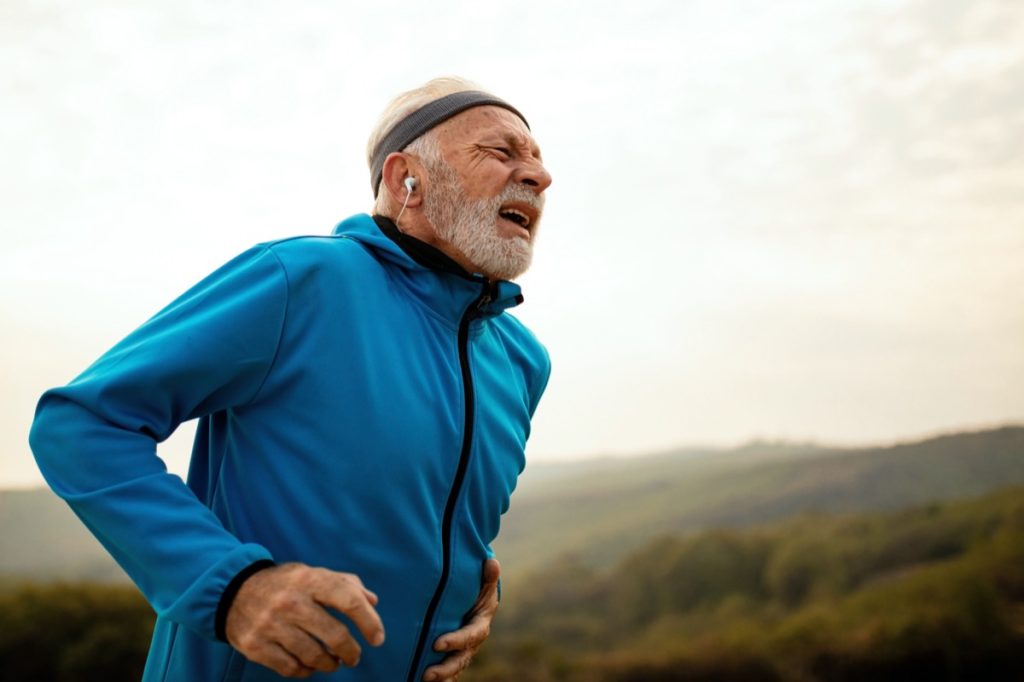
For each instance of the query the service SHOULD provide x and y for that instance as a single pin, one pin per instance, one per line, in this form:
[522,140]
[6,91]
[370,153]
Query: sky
[786,220]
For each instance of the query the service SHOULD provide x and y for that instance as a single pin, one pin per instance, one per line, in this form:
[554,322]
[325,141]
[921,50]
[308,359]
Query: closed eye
[504,151]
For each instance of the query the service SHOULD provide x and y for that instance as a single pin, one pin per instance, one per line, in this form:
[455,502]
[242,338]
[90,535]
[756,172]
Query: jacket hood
[417,257]
[364,229]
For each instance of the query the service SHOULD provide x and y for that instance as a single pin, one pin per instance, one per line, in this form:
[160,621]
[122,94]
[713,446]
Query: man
[364,402]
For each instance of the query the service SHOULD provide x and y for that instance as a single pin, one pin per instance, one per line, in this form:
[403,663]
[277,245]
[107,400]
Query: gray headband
[426,117]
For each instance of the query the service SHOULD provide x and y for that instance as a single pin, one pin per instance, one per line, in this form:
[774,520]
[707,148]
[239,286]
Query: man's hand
[278,619]
[464,642]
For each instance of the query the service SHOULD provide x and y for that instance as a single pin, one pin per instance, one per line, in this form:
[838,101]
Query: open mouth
[517,217]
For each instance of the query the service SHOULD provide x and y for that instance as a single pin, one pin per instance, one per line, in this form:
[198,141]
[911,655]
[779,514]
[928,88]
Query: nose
[533,174]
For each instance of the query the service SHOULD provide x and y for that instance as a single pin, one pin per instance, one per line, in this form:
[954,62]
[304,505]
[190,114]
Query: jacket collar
[443,283]
[423,253]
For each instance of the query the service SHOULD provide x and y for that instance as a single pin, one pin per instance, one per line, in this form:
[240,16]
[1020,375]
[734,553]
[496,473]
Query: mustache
[515,191]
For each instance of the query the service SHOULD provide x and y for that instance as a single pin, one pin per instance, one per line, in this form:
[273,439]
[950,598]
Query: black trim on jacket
[423,253]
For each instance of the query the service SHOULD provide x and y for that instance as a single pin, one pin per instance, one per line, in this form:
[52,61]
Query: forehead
[482,123]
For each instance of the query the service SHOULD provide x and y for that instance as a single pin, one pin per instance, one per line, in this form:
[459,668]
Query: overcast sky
[798,220]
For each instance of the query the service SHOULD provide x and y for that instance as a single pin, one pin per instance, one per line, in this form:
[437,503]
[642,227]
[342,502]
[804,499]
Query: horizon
[179,465]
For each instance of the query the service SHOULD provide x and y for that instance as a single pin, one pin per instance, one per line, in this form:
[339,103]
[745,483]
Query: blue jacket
[363,404]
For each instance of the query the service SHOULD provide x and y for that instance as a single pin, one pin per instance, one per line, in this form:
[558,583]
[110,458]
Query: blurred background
[780,277]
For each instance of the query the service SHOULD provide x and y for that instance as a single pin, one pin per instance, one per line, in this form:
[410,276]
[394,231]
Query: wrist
[227,597]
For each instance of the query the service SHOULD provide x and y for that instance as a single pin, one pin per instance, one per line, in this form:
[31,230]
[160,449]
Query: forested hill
[599,510]
[934,592]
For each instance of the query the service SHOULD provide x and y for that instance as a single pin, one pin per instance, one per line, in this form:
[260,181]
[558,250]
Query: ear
[398,167]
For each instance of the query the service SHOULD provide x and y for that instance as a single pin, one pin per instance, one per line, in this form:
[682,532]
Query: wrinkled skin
[278,620]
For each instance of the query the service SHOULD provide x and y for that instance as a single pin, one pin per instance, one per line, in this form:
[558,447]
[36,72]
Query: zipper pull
[480,305]
[486,297]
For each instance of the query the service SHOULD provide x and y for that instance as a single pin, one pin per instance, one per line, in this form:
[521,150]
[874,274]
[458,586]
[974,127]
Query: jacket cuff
[228,596]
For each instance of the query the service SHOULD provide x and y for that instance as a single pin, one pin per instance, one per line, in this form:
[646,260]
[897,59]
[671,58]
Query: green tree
[73,633]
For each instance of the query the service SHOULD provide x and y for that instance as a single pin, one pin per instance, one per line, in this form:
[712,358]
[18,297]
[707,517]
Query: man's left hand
[462,644]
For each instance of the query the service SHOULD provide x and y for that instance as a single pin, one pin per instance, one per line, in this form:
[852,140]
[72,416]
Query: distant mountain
[599,510]
[41,539]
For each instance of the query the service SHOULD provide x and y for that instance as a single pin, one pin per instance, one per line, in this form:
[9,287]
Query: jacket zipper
[472,312]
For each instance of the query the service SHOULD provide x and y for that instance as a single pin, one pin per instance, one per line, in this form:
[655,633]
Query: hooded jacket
[363,406]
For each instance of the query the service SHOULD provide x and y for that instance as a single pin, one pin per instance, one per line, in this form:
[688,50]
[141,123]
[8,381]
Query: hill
[599,510]
[932,593]
[41,539]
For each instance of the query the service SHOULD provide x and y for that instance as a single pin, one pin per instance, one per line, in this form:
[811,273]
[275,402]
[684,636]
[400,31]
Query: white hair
[425,146]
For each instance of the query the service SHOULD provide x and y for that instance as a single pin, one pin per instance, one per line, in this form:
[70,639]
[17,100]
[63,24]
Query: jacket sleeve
[95,439]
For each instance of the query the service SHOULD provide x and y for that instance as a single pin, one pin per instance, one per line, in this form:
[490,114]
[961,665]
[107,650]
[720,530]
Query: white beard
[471,226]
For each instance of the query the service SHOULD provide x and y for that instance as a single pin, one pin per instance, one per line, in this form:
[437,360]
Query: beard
[471,226]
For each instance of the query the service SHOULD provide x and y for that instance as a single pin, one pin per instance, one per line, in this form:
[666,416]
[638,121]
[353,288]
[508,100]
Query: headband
[426,117]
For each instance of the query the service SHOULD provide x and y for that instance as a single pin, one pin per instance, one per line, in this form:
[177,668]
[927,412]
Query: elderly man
[363,400]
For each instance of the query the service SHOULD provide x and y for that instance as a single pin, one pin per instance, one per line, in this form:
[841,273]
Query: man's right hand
[278,619]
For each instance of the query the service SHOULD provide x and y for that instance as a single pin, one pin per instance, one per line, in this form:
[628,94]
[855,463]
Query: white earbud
[410,185]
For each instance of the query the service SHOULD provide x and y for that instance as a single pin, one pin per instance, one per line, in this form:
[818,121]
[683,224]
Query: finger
[449,668]
[345,592]
[309,652]
[492,571]
[488,595]
[280,661]
[333,635]
[469,636]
